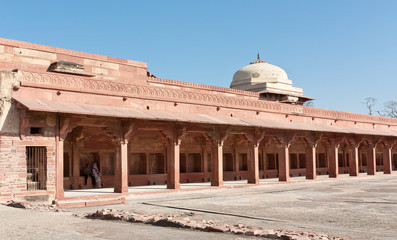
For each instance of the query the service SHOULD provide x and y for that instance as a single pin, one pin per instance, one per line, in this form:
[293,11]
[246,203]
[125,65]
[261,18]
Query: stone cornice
[213,98]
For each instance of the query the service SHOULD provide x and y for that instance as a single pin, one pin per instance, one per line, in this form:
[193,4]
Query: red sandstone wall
[13,166]
[35,57]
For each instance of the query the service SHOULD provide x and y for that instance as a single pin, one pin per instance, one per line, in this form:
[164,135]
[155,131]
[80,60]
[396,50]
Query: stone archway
[84,146]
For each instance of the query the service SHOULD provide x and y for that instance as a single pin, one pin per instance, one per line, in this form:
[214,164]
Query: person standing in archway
[97,175]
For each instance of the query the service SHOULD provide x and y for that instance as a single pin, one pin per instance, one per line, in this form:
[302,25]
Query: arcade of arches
[138,152]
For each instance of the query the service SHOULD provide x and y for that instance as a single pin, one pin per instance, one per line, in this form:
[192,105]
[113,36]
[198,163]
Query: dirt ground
[16,223]
[357,207]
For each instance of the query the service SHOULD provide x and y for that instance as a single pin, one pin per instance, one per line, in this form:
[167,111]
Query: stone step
[89,201]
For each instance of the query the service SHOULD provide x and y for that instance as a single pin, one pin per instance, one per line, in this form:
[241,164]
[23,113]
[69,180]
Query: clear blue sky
[339,52]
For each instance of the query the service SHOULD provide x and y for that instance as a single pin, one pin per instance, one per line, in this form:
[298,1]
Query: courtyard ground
[362,207]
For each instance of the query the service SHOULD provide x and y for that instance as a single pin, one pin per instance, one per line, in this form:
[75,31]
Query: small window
[363,160]
[261,165]
[302,160]
[379,159]
[36,130]
[209,162]
[194,162]
[182,162]
[228,164]
[107,163]
[347,159]
[137,163]
[271,163]
[157,163]
[340,160]
[293,159]
[394,162]
[322,161]
[243,162]
[66,165]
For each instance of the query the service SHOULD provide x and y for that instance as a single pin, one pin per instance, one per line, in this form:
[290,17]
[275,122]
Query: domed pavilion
[270,81]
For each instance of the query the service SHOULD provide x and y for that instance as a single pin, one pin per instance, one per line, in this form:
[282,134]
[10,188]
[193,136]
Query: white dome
[258,72]
[270,81]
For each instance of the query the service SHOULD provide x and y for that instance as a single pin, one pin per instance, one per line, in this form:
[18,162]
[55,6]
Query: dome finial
[258,60]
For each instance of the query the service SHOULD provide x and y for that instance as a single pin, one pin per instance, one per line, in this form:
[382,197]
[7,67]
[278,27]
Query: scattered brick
[179,220]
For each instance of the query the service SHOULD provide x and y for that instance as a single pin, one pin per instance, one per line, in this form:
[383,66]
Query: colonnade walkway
[154,189]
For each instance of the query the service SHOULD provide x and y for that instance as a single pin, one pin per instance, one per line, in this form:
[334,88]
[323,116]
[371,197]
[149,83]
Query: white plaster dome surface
[259,72]
[261,76]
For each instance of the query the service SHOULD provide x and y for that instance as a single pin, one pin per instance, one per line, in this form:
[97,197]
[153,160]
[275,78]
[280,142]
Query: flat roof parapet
[202,86]
[39,47]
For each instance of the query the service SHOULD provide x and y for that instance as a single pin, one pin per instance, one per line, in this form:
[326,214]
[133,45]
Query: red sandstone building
[62,109]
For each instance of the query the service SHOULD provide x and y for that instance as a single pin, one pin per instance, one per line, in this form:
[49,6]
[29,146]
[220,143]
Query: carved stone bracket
[219,134]
[239,139]
[336,141]
[356,141]
[181,133]
[374,141]
[256,136]
[313,139]
[128,130]
[174,134]
[115,132]
[389,142]
[286,139]
[392,143]
[267,140]
[78,135]
[24,117]
[66,125]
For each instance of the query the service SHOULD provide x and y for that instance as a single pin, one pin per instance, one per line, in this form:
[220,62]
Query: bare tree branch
[390,109]
[370,104]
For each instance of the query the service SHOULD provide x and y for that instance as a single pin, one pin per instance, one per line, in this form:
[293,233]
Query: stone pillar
[64,126]
[371,160]
[205,161]
[217,165]
[353,161]
[173,166]
[236,161]
[263,161]
[387,160]
[76,164]
[283,163]
[59,190]
[253,163]
[333,165]
[121,168]
[311,162]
